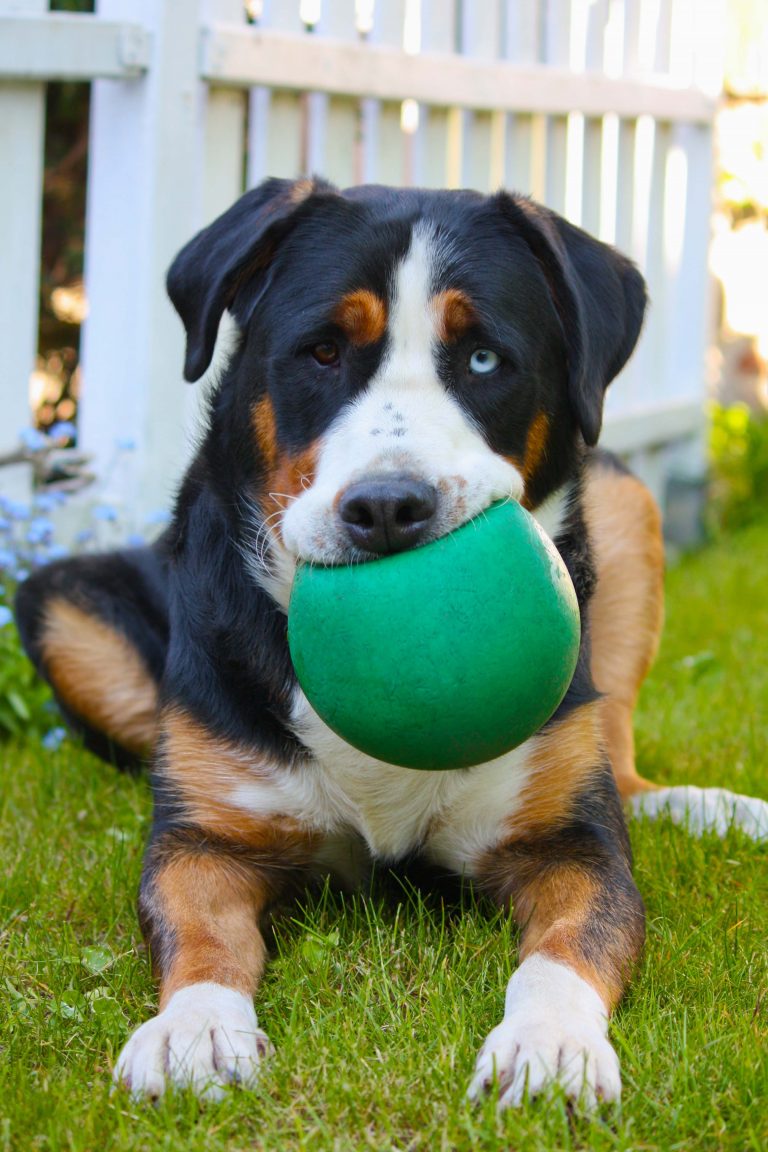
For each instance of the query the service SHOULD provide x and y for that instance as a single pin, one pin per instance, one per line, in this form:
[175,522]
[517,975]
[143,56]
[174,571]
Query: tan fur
[287,475]
[567,910]
[536,443]
[301,191]
[201,770]
[555,910]
[100,676]
[362,317]
[626,611]
[454,313]
[265,430]
[209,907]
[560,765]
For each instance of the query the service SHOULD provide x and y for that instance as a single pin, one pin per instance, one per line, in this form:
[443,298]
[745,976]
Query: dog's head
[401,358]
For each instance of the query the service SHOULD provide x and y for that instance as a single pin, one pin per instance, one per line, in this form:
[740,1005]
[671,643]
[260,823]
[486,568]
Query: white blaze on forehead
[404,421]
[413,319]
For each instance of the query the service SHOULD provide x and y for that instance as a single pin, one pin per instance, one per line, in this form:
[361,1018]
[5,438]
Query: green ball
[443,656]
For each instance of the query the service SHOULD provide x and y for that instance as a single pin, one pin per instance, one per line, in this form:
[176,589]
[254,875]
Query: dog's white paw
[206,1038]
[554,1031]
[706,809]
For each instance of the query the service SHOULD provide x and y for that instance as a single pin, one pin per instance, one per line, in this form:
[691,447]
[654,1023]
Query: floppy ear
[207,274]
[600,298]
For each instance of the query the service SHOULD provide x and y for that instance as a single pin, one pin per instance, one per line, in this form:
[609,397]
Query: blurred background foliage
[739,455]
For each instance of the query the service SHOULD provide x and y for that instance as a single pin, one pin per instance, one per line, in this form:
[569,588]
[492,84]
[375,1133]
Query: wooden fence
[603,109]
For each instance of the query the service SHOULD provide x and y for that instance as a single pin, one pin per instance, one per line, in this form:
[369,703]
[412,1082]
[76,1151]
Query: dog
[383,365]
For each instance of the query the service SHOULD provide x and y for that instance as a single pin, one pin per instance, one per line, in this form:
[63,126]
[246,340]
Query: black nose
[384,514]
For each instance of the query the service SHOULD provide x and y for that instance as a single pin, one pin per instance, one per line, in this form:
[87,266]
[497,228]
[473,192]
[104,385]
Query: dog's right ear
[207,274]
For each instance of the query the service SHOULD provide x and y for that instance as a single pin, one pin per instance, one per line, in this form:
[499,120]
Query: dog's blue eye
[483,361]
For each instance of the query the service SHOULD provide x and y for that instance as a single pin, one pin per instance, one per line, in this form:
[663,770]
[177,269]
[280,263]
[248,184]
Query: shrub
[739,456]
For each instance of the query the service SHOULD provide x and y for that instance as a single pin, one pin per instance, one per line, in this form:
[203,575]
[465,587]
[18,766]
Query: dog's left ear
[599,296]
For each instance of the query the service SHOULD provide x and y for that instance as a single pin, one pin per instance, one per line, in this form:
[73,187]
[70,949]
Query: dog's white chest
[449,816]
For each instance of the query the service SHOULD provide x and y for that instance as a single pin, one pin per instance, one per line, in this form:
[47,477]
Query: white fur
[552,512]
[267,559]
[405,421]
[228,339]
[453,816]
[555,1029]
[706,810]
[207,1038]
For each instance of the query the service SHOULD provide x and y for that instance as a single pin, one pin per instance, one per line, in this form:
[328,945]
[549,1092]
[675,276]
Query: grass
[378,1003]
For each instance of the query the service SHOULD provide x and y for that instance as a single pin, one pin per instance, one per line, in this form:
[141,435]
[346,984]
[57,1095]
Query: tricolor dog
[385,365]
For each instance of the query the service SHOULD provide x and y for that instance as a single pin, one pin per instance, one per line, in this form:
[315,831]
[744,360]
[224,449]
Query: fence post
[145,197]
[22,128]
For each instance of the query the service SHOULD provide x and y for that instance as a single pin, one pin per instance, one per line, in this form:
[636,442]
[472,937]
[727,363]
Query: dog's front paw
[554,1031]
[206,1038]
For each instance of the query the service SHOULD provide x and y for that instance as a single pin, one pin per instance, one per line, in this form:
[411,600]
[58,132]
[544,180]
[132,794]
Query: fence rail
[601,108]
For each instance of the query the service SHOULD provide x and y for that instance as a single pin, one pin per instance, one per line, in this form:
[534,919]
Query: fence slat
[299,63]
[144,201]
[66,46]
[22,123]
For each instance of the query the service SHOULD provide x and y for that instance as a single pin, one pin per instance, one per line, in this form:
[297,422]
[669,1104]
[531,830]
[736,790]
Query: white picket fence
[603,109]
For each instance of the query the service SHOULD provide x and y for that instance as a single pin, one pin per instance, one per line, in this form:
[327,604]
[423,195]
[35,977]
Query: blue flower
[32,439]
[39,531]
[84,536]
[5,524]
[17,510]
[125,444]
[57,552]
[105,512]
[6,616]
[54,739]
[63,430]
[159,516]
[135,540]
[7,559]
[47,501]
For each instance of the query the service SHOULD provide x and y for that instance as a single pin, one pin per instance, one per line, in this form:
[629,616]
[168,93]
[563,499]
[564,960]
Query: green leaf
[19,706]
[96,958]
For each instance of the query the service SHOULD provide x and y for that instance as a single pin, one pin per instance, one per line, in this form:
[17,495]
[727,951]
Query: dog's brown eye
[326,353]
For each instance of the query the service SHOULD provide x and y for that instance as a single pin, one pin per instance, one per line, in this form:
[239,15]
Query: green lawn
[377,1005]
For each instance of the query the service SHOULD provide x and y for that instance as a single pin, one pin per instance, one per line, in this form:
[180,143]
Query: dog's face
[403,359]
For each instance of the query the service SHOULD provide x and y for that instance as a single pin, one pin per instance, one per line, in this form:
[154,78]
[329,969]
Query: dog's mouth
[381,515]
[388,506]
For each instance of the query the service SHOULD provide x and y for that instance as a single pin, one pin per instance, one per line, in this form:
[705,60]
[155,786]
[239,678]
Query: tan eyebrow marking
[454,313]
[362,316]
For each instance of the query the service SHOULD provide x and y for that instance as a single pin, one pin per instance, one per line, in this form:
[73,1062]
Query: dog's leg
[582,926]
[96,629]
[211,870]
[199,906]
[626,609]
[625,615]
